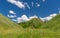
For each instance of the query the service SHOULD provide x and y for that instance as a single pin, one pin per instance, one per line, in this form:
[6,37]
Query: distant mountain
[6,23]
[53,24]
[33,23]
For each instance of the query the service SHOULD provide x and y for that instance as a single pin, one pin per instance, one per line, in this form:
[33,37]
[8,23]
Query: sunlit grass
[29,33]
[31,29]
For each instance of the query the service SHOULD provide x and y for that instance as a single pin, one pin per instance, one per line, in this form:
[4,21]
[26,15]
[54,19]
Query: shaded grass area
[29,33]
[33,23]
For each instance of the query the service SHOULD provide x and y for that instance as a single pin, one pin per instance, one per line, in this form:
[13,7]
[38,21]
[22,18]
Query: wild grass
[9,29]
[29,33]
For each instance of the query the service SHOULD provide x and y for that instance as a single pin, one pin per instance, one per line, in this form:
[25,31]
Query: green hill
[9,29]
[53,24]
[33,23]
[6,23]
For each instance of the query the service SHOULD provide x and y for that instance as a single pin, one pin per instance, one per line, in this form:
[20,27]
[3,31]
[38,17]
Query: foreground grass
[29,33]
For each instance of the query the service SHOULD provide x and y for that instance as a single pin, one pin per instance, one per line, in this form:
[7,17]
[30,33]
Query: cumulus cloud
[24,18]
[48,17]
[11,16]
[33,17]
[12,12]
[19,20]
[17,3]
[42,19]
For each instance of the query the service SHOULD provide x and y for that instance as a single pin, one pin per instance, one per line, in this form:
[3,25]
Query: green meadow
[29,33]
[35,28]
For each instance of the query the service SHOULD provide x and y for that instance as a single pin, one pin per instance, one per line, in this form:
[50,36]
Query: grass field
[29,33]
[34,28]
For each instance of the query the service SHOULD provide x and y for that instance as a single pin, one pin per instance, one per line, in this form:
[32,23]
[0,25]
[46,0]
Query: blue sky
[45,8]
[40,8]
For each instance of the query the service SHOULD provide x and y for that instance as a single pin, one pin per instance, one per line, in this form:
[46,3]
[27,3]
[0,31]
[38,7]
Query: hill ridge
[33,23]
[53,24]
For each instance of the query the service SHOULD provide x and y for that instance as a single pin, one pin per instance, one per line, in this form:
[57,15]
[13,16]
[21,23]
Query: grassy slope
[6,23]
[53,24]
[30,33]
[33,23]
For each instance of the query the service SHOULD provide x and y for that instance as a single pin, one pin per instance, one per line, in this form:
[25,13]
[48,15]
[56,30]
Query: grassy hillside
[6,23]
[33,23]
[30,33]
[53,24]
[9,29]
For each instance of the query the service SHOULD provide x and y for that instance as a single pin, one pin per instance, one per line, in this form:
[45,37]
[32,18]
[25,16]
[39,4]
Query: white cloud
[33,17]
[17,3]
[27,5]
[43,0]
[19,20]
[48,17]
[11,16]
[42,19]
[24,18]
[12,12]
[37,5]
